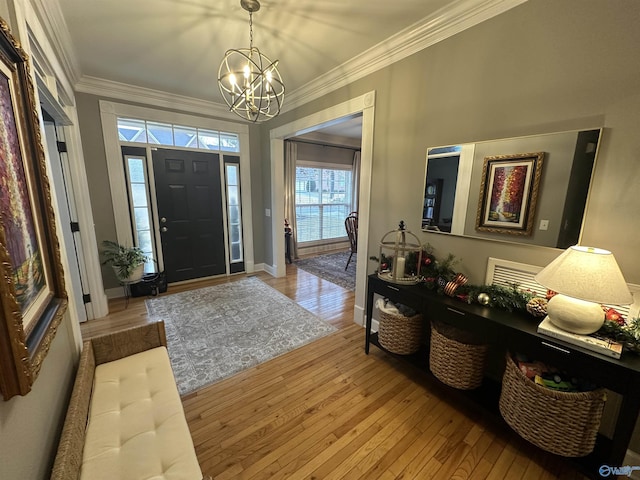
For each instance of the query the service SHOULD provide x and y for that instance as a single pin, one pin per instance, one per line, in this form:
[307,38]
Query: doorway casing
[364,104]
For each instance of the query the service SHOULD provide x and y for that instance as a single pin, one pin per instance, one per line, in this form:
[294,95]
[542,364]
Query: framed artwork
[508,193]
[32,293]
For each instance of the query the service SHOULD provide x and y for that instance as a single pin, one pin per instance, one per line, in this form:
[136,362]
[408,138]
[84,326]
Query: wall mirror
[494,189]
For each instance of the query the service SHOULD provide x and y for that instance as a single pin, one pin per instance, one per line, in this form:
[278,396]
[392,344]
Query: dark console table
[516,332]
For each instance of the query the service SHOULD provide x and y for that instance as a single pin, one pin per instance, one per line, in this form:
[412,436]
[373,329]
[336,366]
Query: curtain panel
[290,160]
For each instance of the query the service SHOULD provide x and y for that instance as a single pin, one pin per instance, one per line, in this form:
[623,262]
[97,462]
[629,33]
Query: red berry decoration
[613,315]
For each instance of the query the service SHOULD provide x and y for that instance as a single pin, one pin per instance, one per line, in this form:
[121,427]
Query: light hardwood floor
[328,411]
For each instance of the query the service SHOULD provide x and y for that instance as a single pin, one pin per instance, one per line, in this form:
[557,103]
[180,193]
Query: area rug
[215,332]
[331,267]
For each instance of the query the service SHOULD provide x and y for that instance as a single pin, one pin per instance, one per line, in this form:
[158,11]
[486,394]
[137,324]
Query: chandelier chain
[250,30]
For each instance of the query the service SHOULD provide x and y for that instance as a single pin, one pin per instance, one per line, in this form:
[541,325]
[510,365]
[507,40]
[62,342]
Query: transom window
[156,133]
[323,200]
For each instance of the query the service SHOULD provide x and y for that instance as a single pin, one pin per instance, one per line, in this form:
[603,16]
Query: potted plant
[127,262]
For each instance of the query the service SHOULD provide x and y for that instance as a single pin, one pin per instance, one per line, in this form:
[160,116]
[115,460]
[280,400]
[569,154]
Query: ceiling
[176,46]
[345,132]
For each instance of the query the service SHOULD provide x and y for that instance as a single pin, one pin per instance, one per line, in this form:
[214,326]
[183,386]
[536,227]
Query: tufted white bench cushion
[136,426]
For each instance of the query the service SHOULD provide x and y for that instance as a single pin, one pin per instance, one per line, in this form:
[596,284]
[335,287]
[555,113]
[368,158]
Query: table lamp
[584,278]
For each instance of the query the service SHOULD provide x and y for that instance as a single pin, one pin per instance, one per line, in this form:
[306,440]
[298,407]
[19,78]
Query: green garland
[436,273]
[507,298]
[628,336]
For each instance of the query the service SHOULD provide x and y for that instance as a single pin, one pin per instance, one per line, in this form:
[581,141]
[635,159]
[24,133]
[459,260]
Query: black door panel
[189,198]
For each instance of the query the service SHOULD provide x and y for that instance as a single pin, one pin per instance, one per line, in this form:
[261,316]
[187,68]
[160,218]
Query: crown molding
[130,93]
[442,24]
[50,16]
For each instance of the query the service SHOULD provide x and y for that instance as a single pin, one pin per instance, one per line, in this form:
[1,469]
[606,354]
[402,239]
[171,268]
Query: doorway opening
[56,148]
[363,105]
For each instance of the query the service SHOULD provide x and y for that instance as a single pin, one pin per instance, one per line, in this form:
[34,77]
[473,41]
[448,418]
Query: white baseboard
[358,315]
[270,269]
[325,248]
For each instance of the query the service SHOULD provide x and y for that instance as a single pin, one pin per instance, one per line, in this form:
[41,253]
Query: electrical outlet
[267,212]
[544,224]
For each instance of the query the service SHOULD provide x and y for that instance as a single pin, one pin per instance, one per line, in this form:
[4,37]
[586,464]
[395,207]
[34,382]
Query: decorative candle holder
[400,257]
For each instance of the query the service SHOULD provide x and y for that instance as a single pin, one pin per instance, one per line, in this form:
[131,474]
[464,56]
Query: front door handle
[164,229]
[163,220]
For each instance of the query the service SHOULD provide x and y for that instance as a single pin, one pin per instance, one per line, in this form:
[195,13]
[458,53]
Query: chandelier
[250,83]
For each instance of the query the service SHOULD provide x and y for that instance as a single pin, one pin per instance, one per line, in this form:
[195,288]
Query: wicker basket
[400,334]
[454,359]
[563,423]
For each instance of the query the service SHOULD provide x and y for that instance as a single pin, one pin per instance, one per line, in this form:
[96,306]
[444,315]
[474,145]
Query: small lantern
[400,257]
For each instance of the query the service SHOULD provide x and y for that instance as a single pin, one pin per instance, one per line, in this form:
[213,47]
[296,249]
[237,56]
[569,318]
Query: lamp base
[573,315]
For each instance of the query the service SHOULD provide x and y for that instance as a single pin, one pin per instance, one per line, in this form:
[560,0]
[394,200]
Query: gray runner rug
[215,332]
[331,267]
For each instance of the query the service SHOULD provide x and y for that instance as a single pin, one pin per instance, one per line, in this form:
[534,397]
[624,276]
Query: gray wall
[543,66]
[95,161]
[324,153]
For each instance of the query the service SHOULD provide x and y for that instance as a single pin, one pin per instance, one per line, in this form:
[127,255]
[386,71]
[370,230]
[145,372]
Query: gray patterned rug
[331,267]
[215,332]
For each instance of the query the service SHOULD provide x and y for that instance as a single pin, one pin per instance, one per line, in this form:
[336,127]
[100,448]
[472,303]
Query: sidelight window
[140,207]
[234,212]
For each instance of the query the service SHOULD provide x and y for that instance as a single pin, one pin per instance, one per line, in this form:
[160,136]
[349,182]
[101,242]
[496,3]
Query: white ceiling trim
[444,23]
[50,16]
[158,98]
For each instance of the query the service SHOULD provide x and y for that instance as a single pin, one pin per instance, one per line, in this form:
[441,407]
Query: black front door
[189,199]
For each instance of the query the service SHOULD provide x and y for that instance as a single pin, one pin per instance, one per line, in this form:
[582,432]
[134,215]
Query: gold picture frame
[32,292]
[509,193]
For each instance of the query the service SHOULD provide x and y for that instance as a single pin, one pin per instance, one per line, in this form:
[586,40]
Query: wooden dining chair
[351,226]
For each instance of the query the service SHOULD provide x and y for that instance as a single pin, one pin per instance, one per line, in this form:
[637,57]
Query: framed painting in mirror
[509,193]
[32,293]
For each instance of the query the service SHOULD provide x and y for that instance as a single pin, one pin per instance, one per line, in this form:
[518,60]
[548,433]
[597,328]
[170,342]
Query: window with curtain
[323,200]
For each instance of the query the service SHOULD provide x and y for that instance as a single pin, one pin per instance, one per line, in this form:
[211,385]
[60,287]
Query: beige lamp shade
[586,273]
[584,278]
